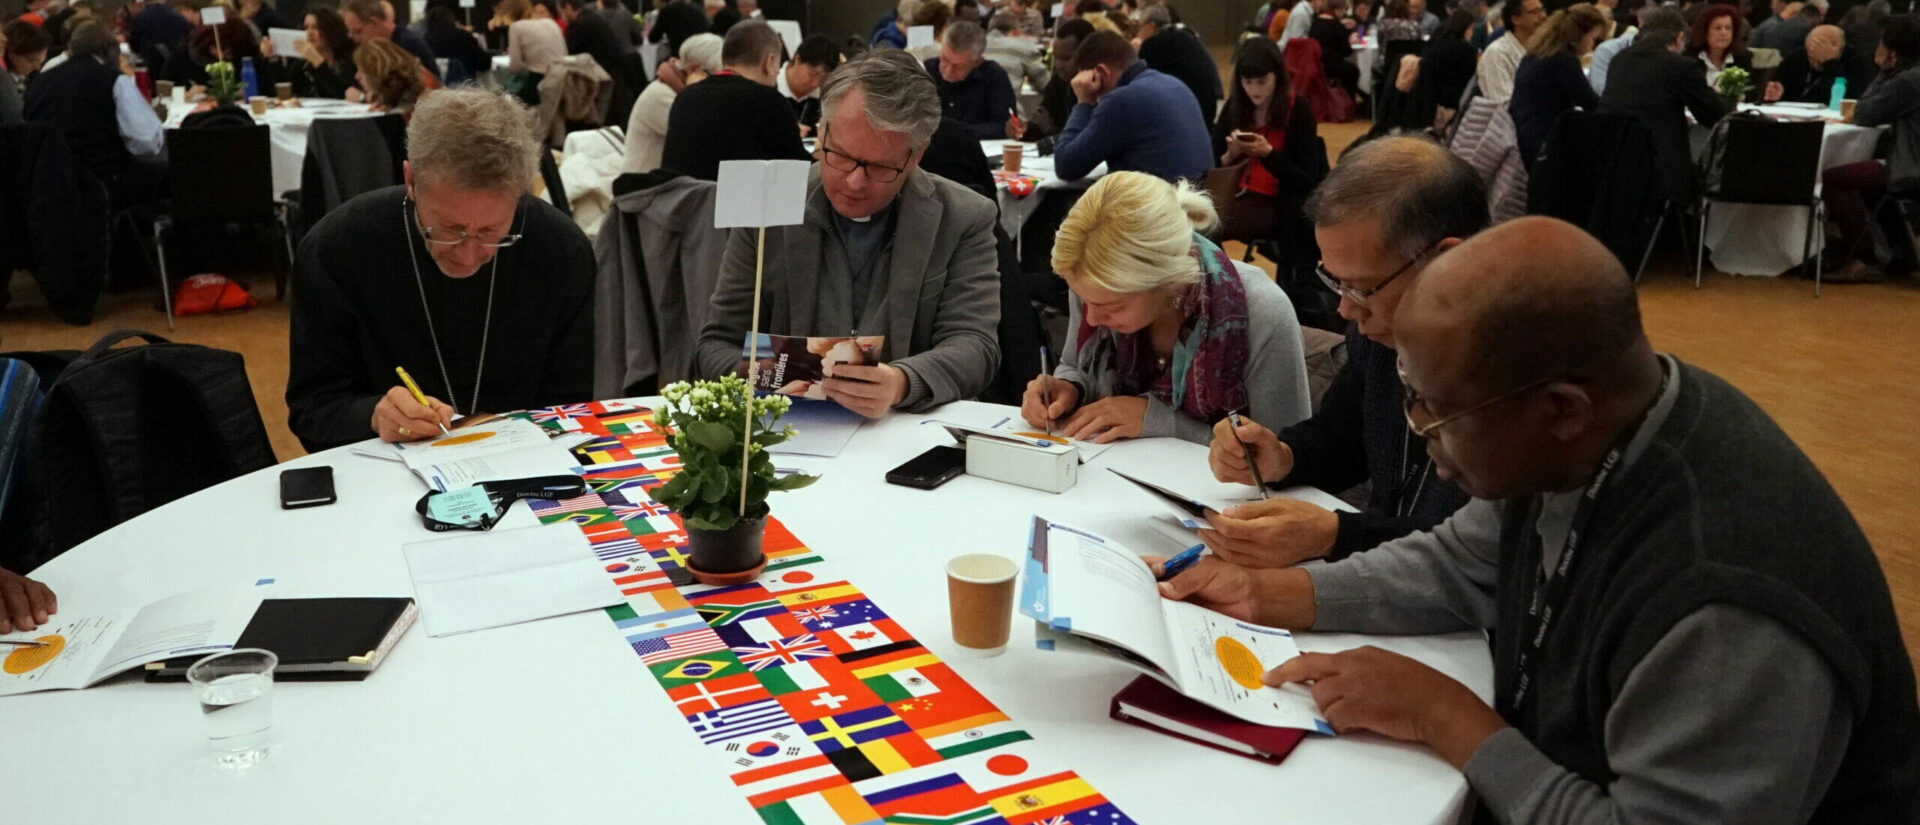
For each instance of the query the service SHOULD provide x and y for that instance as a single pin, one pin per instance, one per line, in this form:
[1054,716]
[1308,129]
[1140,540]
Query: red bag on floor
[210,293]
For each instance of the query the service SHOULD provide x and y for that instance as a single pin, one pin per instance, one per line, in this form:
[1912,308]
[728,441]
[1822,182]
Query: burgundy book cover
[1149,694]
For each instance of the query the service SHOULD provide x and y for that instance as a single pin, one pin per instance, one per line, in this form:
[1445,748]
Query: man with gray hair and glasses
[974,90]
[1380,217]
[480,291]
[885,249]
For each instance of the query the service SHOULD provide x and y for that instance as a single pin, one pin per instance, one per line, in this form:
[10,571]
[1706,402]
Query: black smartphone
[306,487]
[930,469]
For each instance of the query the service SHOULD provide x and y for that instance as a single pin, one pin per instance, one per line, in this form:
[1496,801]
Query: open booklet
[496,450]
[1082,586]
[798,366]
[80,651]
[1012,428]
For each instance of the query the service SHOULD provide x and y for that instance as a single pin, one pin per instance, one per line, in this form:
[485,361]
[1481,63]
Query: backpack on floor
[122,431]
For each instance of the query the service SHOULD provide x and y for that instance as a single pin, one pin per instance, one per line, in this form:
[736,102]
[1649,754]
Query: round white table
[287,130]
[1016,210]
[558,720]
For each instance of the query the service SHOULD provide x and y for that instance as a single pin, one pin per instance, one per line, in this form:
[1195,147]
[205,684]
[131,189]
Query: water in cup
[236,698]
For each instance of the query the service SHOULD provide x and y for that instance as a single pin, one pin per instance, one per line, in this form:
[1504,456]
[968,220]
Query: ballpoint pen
[1046,388]
[417,394]
[1253,461]
[23,642]
[1179,563]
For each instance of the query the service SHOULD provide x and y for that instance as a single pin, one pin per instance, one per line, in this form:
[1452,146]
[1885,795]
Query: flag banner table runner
[821,708]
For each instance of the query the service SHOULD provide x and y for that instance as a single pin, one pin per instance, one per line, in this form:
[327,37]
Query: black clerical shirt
[357,314]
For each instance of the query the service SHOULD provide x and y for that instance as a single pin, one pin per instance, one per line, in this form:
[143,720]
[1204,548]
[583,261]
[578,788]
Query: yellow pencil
[417,394]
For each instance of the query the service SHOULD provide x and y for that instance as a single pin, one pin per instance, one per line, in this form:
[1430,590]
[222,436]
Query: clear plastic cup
[235,689]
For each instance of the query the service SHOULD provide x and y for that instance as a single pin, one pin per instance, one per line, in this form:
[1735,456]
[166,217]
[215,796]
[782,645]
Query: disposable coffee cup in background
[1010,157]
[980,598]
[1846,110]
[283,90]
[259,105]
[163,89]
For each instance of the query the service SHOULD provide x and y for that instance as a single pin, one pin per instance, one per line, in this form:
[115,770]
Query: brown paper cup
[259,105]
[1846,110]
[162,89]
[1010,157]
[284,91]
[980,596]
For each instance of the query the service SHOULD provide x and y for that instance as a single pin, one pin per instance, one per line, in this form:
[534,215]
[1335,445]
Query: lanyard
[1551,596]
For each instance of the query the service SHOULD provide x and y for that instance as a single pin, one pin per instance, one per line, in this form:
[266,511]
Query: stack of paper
[494,451]
[504,577]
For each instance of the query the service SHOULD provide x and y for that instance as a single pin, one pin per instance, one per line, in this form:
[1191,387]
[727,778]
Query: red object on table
[1269,745]
[145,82]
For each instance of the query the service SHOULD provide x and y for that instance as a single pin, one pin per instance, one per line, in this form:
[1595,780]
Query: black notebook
[317,639]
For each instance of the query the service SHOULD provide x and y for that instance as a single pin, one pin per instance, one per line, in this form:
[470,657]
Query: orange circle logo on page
[457,440]
[30,659]
[1239,662]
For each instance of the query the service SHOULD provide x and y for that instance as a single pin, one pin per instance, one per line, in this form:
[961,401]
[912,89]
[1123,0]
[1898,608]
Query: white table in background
[1754,239]
[1015,210]
[287,129]
[558,721]
[1365,55]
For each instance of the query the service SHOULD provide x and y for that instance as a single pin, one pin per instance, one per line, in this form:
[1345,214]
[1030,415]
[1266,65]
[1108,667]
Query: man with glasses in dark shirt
[885,249]
[482,292]
[1380,217]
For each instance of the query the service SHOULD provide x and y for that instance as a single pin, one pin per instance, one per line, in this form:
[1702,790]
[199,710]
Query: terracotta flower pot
[729,556]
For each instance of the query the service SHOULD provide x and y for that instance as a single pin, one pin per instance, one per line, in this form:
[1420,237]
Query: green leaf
[713,436]
[718,519]
[793,482]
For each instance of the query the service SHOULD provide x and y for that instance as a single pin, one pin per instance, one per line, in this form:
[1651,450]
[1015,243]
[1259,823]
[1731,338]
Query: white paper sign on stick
[286,42]
[789,34]
[761,193]
[918,36]
[1059,10]
[213,15]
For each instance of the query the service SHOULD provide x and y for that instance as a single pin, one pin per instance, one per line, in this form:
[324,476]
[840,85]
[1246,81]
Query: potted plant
[1734,83]
[709,425]
[223,85]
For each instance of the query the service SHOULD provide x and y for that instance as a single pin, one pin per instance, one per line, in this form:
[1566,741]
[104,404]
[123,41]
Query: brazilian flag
[697,668]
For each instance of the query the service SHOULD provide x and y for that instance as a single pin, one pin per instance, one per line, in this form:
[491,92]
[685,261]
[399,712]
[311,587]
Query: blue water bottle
[251,81]
[1839,93]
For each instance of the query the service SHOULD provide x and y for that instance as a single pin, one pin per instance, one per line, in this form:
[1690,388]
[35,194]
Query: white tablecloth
[1016,209]
[558,721]
[1752,239]
[287,128]
[1365,55]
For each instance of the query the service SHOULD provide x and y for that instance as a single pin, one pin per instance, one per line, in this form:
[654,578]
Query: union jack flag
[782,652]
[641,509]
[814,614]
[560,412]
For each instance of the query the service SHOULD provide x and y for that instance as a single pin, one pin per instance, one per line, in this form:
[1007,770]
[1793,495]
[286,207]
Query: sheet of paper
[1103,590]
[789,34]
[761,193]
[468,442]
[531,462]
[198,622]
[286,42]
[1180,507]
[76,644]
[1011,426]
[1220,660]
[213,16]
[504,577]
[918,36]
[824,428]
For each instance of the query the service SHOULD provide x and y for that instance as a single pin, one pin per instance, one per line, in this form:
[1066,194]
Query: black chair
[220,176]
[348,157]
[556,188]
[1750,160]
[1598,171]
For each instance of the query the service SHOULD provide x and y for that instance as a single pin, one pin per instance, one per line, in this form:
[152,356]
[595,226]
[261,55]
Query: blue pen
[1179,563]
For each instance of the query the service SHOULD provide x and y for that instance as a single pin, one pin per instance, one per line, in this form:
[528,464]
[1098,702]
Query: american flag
[562,411]
[590,501]
[669,648]
[782,652]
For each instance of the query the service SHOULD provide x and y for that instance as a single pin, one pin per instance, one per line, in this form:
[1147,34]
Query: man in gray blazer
[886,249]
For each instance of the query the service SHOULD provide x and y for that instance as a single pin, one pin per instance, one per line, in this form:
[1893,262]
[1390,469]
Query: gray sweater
[1276,375]
[1894,99]
[1730,717]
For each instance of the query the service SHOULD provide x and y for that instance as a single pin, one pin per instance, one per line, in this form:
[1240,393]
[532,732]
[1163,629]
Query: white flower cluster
[719,400]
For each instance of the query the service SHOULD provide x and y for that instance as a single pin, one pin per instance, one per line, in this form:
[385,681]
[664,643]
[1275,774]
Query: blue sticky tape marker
[1323,727]
[1043,644]
[262,582]
[1061,623]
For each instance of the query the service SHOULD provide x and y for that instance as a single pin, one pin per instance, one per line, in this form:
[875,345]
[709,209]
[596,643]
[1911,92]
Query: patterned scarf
[1205,379]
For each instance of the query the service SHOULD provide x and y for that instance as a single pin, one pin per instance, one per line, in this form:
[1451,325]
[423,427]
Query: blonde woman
[1165,337]
[390,76]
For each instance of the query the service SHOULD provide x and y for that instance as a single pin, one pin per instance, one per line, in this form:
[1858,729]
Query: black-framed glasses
[876,172]
[483,505]
[1416,407]
[1362,297]
[486,239]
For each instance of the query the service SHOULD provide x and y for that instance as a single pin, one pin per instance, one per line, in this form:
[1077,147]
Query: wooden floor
[1841,374]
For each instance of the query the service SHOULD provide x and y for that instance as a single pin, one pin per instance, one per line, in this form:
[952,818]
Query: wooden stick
[753,365]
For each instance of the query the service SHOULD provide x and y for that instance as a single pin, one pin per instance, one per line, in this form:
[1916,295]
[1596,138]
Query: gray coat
[659,257]
[1894,100]
[942,283]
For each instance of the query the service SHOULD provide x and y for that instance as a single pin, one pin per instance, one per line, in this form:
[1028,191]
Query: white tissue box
[1051,468]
